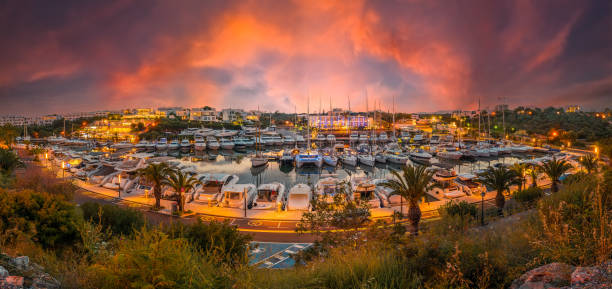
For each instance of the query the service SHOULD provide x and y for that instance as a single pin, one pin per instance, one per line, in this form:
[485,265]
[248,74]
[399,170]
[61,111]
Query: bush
[153,260]
[221,242]
[48,219]
[120,221]
[456,217]
[529,196]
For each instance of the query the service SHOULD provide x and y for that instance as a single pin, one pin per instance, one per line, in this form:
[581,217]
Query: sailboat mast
[488,123]
[348,118]
[478,138]
[308,122]
[394,116]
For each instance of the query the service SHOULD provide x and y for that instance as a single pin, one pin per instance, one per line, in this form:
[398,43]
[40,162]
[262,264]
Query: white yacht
[364,189]
[348,158]
[270,196]
[300,139]
[418,138]
[238,195]
[321,138]
[382,137]
[151,146]
[380,158]
[420,154]
[363,138]
[366,159]
[142,145]
[288,140]
[330,160]
[199,144]
[212,143]
[449,154]
[299,197]
[185,144]
[162,144]
[331,139]
[354,137]
[212,185]
[227,144]
[327,188]
[174,145]
[123,145]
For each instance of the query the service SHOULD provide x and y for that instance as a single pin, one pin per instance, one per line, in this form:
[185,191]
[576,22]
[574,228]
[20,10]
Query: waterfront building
[329,122]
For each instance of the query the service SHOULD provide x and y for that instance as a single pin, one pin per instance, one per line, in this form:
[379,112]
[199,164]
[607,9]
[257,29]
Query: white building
[232,114]
[207,114]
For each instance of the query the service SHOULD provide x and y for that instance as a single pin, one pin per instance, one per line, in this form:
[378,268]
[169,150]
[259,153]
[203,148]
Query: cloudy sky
[65,56]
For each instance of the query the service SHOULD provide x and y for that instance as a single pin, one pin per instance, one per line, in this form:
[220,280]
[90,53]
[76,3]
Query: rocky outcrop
[20,273]
[563,276]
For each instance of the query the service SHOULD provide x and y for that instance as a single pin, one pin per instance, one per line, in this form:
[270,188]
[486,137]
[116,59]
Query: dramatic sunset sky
[66,56]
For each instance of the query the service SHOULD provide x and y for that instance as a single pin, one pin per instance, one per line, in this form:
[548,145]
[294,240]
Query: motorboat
[470,186]
[288,140]
[327,188]
[270,196]
[348,158]
[354,137]
[330,160]
[185,144]
[363,189]
[300,139]
[56,140]
[434,140]
[173,145]
[443,175]
[275,139]
[449,154]
[238,196]
[240,143]
[380,158]
[122,145]
[382,137]
[212,185]
[199,144]
[321,138]
[366,159]
[363,138]
[288,156]
[308,157]
[396,158]
[331,139]
[162,144]
[227,144]
[249,142]
[420,154]
[212,143]
[418,138]
[483,152]
[405,136]
[299,197]
[142,145]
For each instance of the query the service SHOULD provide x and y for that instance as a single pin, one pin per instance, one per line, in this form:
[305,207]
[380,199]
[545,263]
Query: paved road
[260,230]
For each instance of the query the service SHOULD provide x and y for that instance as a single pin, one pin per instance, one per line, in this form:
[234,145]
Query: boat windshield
[233,195]
[267,195]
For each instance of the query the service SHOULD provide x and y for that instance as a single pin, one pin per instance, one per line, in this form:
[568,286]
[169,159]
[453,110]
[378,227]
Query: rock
[12,282]
[593,277]
[3,273]
[553,275]
[45,281]
[21,262]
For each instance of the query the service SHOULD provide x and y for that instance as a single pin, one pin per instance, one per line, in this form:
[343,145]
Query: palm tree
[181,183]
[412,185]
[589,163]
[554,169]
[534,172]
[9,161]
[520,170]
[155,174]
[500,179]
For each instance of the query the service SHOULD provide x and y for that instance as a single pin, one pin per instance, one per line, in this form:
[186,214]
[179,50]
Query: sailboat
[367,158]
[258,160]
[309,156]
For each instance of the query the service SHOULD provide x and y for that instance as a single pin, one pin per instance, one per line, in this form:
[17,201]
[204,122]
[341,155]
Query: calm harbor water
[238,163]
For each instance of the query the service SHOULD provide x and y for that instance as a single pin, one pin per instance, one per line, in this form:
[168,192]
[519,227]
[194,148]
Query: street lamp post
[119,187]
[63,165]
[244,195]
[482,209]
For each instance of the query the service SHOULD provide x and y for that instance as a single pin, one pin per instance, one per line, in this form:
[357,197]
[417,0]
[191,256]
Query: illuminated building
[327,122]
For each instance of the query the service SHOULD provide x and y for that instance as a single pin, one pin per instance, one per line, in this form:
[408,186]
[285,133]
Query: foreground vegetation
[103,246]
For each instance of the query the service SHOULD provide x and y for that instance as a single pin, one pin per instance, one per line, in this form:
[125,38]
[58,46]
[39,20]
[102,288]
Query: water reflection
[238,163]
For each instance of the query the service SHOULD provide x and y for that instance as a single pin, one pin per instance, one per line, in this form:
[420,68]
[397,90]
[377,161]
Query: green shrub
[48,219]
[120,221]
[151,259]
[529,196]
[221,242]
